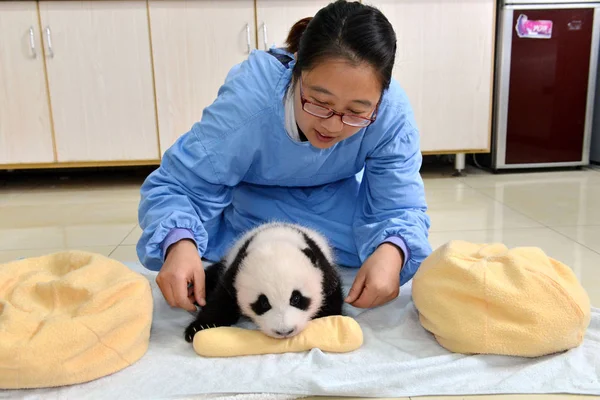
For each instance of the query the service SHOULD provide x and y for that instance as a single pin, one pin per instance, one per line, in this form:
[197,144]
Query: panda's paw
[195,327]
[191,330]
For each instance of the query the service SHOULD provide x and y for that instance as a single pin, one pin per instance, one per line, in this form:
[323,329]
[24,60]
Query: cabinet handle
[49,38]
[265,36]
[32,43]
[248,37]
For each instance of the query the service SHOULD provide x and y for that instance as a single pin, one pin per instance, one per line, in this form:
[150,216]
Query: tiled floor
[557,211]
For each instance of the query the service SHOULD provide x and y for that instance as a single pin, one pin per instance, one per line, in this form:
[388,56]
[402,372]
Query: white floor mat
[398,358]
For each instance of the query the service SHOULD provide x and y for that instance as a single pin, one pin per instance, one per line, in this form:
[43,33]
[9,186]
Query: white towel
[399,358]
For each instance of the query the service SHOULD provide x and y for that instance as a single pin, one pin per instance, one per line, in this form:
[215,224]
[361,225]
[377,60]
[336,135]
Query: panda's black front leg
[221,309]
[333,304]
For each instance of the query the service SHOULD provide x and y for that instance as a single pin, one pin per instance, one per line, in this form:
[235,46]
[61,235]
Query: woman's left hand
[378,279]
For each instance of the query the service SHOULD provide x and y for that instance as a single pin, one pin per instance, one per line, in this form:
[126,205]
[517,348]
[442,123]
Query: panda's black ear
[310,254]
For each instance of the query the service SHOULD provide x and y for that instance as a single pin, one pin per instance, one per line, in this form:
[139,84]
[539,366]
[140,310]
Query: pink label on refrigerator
[533,29]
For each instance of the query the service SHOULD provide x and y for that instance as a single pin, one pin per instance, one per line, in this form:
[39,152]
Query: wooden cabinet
[104,82]
[276,17]
[25,129]
[195,44]
[100,79]
[444,62]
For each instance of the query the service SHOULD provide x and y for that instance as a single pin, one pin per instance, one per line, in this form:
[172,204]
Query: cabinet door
[100,78]
[25,130]
[444,62]
[195,44]
[276,18]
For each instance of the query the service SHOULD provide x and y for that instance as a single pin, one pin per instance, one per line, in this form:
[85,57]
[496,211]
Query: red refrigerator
[546,60]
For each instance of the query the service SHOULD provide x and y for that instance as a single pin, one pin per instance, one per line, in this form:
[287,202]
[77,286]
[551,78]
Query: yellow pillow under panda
[489,299]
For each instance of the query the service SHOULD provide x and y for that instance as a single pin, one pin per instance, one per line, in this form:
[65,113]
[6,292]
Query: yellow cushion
[70,317]
[488,299]
[336,334]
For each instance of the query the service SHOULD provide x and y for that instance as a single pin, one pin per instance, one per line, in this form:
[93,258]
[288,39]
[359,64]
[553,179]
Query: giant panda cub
[279,275]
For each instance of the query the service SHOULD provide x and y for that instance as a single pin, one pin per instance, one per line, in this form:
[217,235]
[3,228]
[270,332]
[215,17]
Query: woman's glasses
[324,112]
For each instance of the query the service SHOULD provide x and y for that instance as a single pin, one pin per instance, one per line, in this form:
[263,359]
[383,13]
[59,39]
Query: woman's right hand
[182,266]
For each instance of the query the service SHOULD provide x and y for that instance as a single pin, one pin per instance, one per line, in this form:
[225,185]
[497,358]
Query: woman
[317,133]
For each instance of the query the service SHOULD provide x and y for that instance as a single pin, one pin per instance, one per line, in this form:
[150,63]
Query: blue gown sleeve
[195,180]
[182,193]
[391,202]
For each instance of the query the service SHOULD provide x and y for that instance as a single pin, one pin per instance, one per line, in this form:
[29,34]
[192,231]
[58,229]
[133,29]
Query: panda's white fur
[280,275]
[277,232]
[275,266]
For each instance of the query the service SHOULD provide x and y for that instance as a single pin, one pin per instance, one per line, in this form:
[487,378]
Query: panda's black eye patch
[261,305]
[299,301]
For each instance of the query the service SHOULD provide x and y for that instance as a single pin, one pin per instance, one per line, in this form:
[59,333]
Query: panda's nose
[285,332]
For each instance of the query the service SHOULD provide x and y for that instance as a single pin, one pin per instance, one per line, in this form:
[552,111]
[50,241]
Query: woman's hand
[182,266]
[378,279]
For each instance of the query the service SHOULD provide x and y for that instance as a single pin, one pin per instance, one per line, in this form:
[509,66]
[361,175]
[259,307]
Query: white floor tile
[588,236]
[570,203]
[133,237]
[465,208]
[53,214]
[489,180]
[70,236]
[125,254]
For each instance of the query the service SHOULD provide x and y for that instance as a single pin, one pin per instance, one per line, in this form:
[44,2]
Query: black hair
[348,30]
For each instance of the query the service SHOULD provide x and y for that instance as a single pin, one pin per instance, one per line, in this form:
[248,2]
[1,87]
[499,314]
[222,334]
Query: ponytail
[293,39]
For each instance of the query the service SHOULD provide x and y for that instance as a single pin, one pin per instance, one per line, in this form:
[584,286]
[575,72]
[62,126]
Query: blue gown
[238,167]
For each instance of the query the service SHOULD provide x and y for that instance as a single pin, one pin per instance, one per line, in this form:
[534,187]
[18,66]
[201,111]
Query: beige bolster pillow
[336,334]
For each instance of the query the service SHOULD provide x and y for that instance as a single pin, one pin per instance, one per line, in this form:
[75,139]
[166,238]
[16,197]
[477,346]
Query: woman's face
[342,87]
